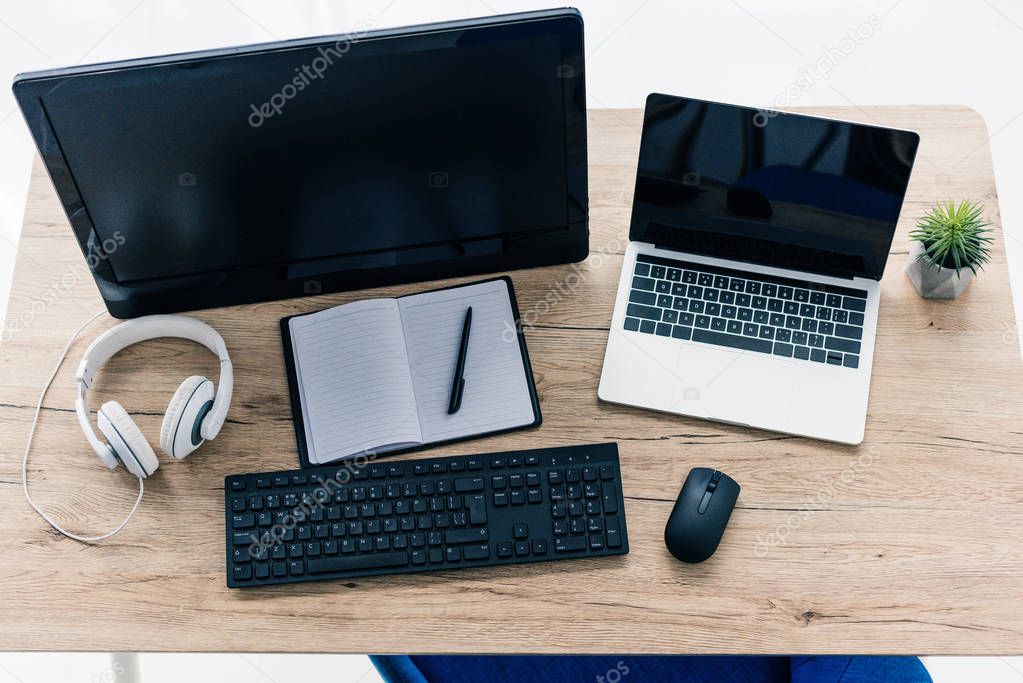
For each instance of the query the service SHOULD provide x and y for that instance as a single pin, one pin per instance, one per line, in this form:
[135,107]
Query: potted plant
[947,247]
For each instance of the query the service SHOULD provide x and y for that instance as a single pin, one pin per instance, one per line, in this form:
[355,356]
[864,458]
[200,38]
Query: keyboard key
[745,314]
[632,324]
[809,325]
[357,562]
[694,292]
[848,331]
[734,327]
[647,326]
[781,349]
[670,316]
[768,289]
[479,551]
[468,484]
[657,271]
[825,327]
[855,318]
[678,289]
[729,311]
[727,297]
[791,308]
[689,276]
[851,304]
[680,332]
[695,306]
[686,318]
[808,310]
[637,296]
[818,355]
[710,294]
[816,340]
[732,341]
[663,287]
[792,322]
[674,274]
[766,332]
[799,338]
[783,335]
[639,311]
[569,544]
[834,358]
[759,303]
[712,309]
[703,321]
[833,301]
[642,269]
[643,283]
[783,292]
[817,298]
[663,330]
[680,304]
[718,324]
[721,282]
[775,305]
[840,344]
[801,295]
[737,285]
[840,315]
[802,353]
[851,361]
[752,287]
[749,329]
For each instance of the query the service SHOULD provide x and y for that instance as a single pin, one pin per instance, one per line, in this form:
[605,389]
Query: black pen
[458,383]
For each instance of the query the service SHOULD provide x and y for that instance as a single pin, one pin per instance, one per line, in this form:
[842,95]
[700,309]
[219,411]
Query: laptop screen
[771,188]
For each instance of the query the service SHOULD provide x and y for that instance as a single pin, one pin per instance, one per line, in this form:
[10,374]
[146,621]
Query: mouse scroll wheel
[712,486]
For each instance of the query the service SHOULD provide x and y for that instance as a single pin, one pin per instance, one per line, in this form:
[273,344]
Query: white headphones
[195,414]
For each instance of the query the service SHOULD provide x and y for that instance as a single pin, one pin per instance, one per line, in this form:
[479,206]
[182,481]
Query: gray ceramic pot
[931,282]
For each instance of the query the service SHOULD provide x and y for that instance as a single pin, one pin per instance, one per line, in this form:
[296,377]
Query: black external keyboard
[402,516]
[750,311]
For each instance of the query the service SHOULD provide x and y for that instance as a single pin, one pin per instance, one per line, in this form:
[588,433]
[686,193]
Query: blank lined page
[353,377]
[496,389]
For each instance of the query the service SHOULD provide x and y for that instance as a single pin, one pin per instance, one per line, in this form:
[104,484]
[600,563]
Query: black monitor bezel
[566,244]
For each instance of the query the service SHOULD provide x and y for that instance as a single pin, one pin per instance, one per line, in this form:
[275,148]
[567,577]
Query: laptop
[749,291]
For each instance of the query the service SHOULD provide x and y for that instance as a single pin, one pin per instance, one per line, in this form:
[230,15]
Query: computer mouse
[700,514]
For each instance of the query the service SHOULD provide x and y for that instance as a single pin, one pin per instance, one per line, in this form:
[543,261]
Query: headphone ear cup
[180,434]
[126,440]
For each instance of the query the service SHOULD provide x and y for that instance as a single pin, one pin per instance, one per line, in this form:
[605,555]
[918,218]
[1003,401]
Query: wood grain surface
[910,543]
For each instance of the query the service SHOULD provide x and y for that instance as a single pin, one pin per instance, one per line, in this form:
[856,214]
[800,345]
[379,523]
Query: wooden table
[910,543]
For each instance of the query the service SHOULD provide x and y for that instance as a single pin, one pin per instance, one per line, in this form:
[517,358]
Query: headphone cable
[28,446]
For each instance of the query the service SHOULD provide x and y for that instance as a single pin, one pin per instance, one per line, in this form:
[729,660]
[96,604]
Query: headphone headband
[132,332]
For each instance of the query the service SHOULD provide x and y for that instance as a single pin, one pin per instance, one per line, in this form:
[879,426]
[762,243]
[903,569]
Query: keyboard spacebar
[732,340]
[356,562]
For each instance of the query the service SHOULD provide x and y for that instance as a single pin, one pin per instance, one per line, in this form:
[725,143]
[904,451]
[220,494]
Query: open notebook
[375,375]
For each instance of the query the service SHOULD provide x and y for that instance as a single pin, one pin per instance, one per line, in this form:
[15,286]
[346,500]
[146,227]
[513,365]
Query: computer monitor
[323,164]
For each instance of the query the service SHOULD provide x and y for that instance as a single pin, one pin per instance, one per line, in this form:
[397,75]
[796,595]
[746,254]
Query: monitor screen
[354,153]
[772,188]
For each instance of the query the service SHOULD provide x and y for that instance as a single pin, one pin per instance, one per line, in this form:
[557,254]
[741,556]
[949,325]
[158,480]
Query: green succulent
[954,236]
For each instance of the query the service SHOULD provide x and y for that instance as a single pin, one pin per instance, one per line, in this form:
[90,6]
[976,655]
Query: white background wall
[745,51]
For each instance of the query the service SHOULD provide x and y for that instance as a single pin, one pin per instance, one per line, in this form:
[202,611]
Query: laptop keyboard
[696,302]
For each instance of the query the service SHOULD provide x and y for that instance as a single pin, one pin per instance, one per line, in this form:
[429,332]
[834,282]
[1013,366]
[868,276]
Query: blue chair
[643,669]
